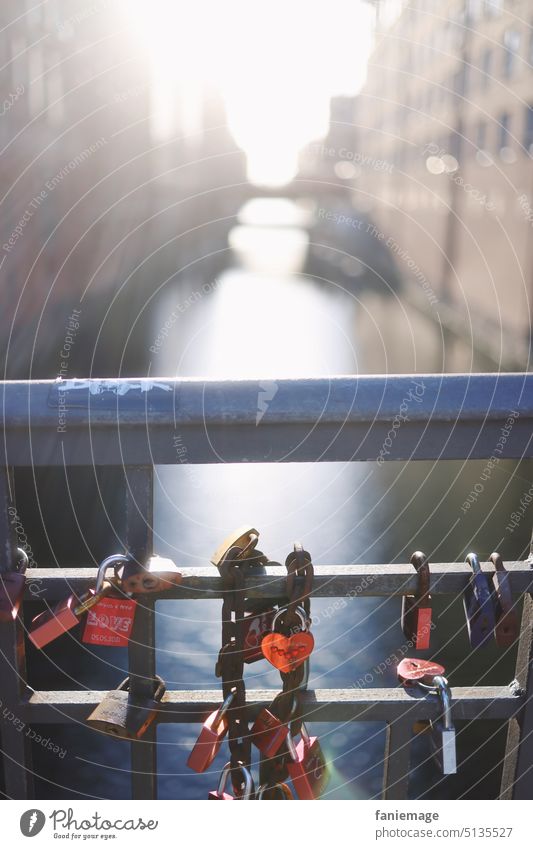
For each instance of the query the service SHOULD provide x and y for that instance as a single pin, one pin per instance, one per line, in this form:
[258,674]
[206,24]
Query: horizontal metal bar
[328,582]
[344,705]
[137,421]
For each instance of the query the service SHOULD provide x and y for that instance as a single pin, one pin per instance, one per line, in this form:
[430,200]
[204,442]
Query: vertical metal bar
[397,756]
[141,652]
[517,775]
[16,747]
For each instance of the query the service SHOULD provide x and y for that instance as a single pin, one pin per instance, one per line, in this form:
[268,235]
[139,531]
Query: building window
[511,46]
[486,66]
[493,8]
[503,131]
[528,134]
[481,136]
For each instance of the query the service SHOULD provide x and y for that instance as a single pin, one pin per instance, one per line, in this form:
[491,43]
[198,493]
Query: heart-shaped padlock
[288,652]
[413,670]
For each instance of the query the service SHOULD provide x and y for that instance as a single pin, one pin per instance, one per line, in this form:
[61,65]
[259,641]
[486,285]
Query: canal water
[263,317]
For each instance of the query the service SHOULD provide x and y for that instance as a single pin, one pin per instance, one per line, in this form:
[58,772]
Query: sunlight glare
[276,66]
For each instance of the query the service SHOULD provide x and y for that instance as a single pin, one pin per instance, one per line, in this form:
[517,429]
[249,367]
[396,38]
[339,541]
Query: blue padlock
[479,605]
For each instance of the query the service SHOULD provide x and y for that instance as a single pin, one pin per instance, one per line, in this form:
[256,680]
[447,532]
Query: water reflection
[258,323]
[254,322]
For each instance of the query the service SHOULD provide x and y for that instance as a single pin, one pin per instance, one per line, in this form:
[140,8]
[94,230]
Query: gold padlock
[244,538]
[123,715]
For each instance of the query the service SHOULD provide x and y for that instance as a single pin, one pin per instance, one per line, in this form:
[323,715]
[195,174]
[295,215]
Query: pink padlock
[268,733]
[308,769]
[210,739]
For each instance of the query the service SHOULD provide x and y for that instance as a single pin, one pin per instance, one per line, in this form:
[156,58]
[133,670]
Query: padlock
[12,586]
[50,624]
[248,785]
[412,671]
[254,628]
[268,733]
[159,574]
[478,605]
[275,791]
[416,609]
[210,738]
[507,626]
[307,767]
[125,715]
[244,538]
[443,731]
[288,652]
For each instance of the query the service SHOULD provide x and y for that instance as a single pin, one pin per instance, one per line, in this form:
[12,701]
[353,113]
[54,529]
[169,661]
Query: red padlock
[110,622]
[268,733]
[254,628]
[12,586]
[220,794]
[210,739]
[307,768]
[50,624]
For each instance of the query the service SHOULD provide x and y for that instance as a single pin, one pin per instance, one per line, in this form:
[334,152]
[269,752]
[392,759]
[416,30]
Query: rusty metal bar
[329,581]
[343,705]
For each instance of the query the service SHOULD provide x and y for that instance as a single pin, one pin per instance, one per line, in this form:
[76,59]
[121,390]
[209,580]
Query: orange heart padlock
[287,653]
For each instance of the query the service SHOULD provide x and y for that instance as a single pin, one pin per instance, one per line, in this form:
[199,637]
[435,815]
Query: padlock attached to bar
[443,742]
[247,785]
[268,733]
[50,624]
[158,575]
[412,671]
[507,626]
[307,766]
[288,652]
[127,715]
[416,609]
[210,739]
[243,541]
[12,586]
[478,605]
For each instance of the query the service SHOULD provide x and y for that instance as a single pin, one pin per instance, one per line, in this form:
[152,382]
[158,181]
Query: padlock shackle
[299,564]
[445,697]
[159,688]
[497,561]
[223,710]
[473,561]
[300,612]
[112,560]
[22,560]
[289,741]
[421,564]
[246,774]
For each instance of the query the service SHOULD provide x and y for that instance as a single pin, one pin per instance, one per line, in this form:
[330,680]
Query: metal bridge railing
[131,424]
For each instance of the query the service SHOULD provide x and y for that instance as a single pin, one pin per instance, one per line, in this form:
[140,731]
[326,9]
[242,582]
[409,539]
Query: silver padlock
[443,731]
